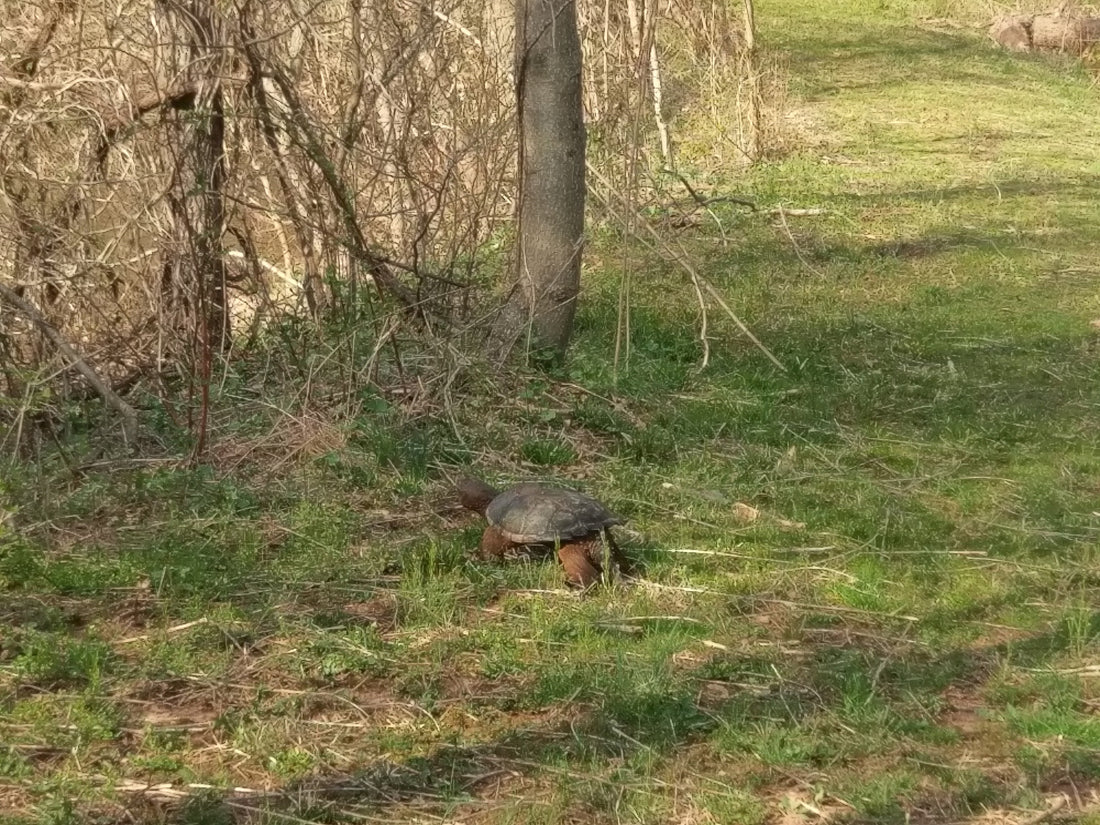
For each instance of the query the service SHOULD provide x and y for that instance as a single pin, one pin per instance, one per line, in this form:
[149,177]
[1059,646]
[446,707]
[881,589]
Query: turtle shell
[535,513]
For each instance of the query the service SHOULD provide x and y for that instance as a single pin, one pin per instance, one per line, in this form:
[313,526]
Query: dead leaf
[745,512]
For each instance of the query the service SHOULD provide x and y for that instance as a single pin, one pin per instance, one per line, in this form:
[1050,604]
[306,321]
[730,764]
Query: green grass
[901,625]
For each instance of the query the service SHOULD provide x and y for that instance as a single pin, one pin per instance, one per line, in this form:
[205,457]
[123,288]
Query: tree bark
[198,274]
[751,74]
[551,177]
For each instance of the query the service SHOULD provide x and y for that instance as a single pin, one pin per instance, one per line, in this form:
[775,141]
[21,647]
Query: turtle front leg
[577,559]
[494,544]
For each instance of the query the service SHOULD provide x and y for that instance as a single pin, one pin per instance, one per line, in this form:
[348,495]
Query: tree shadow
[830,676]
[833,61]
[604,733]
[1082,185]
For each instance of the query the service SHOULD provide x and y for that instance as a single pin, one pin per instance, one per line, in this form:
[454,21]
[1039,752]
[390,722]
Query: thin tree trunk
[751,74]
[551,177]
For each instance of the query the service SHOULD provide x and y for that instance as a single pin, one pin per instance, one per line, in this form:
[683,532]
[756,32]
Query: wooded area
[181,179]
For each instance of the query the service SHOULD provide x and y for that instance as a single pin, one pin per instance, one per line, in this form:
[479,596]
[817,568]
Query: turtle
[540,515]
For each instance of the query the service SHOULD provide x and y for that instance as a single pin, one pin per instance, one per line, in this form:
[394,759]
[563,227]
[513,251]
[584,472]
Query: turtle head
[475,494]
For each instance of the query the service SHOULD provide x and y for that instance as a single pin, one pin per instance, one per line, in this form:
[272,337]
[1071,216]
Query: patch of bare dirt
[773,615]
[1057,808]
[997,636]
[194,715]
[175,705]
[379,611]
[963,712]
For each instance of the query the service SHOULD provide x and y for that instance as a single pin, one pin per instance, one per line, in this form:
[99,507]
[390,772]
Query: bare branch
[127,413]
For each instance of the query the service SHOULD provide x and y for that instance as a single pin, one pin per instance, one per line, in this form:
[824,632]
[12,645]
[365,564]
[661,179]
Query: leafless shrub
[175,173]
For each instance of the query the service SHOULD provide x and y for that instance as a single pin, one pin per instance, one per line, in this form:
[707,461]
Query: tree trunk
[551,176]
[197,197]
[750,73]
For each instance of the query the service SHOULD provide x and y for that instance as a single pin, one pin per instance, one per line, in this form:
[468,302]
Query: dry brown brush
[175,175]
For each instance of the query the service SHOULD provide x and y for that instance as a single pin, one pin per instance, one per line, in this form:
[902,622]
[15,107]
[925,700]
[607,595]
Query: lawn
[869,581]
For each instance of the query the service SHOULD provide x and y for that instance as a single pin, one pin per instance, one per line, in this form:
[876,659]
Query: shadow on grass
[599,739]
[878,697]
[939,363]
[880,57]
[1082,186]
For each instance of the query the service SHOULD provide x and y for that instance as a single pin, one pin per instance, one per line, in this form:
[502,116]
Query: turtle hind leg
[494,546]
[579,559]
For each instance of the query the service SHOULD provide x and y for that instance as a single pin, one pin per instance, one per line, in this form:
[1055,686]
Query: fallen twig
[174,629]
[808,212]
[168,791]
[127,413]
[1055,806]
[835,608]
[658,619]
